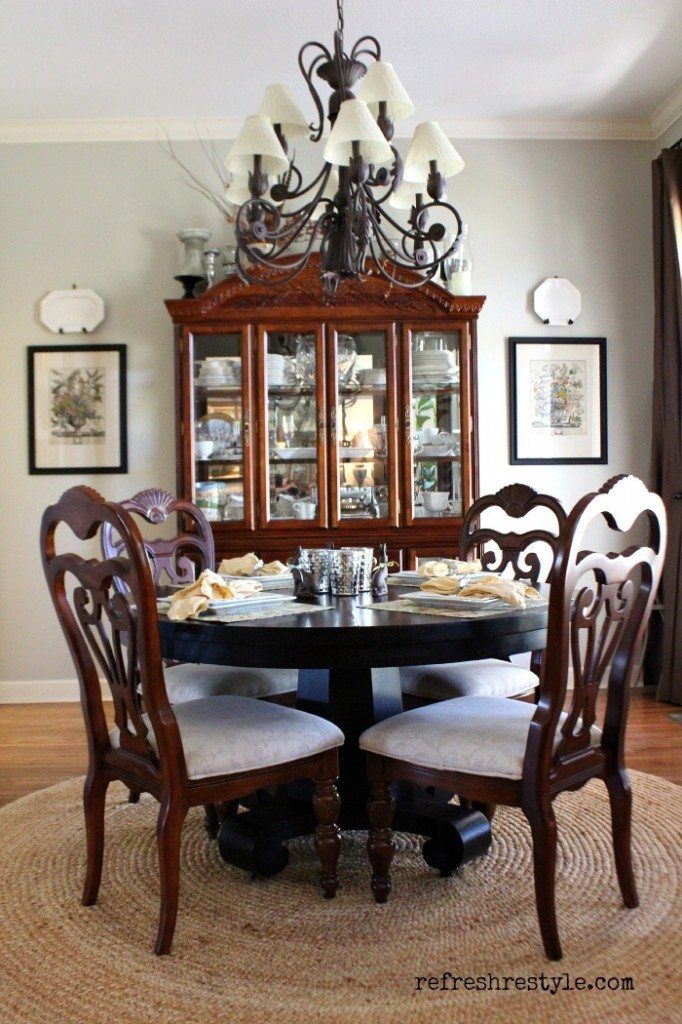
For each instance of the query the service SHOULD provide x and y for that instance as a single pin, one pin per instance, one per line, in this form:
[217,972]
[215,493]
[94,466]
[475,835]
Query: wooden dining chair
[510,752]
[177,560]
[526,555]
[211,750]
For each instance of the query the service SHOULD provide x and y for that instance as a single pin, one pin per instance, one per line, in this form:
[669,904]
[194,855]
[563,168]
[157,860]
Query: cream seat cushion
[477,735]
[189,682]
[488,677]
[224,735]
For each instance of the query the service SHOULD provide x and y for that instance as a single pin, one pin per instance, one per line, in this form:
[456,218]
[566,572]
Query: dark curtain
[667,410]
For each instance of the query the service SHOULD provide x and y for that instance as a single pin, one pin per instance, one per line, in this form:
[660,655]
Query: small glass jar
[458,268]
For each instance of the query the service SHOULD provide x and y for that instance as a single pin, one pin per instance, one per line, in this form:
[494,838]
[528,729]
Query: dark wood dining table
[348,658]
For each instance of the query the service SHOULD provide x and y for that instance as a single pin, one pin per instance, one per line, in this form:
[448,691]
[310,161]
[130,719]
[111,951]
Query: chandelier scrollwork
[349,210]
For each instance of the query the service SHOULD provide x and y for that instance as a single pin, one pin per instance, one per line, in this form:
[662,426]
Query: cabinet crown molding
[304,297]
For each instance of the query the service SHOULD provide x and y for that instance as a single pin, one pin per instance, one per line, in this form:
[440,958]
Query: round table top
[350,628]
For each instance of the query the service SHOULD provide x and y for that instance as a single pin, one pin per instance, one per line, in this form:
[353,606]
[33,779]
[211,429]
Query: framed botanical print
[77,409]
[557,401]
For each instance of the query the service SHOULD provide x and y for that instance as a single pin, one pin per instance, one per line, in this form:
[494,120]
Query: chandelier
[349,209]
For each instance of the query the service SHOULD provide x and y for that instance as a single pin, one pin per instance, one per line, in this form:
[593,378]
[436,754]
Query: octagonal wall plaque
[72,311]
[557,302]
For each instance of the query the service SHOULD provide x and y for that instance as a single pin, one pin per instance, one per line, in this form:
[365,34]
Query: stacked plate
[434,367]
[373,377]
[279,370]
[221,371]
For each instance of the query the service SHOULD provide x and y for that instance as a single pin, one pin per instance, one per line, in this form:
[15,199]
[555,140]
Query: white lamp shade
[430,142]
[256,138]
[404,196]
[354,123]
[381,85]
[281,108]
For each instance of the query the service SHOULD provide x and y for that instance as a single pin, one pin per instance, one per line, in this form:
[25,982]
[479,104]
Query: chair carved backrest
[499,550]
[106,607]
[599,607]
[169,558]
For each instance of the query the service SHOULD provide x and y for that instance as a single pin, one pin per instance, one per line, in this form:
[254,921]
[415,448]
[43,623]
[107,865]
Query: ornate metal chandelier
[348,210]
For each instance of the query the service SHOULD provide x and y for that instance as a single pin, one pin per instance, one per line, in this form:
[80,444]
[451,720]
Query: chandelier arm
[285,234]
[288,271]
[322,55]
[414,263]
[411,285]
[359,51]
[279,196]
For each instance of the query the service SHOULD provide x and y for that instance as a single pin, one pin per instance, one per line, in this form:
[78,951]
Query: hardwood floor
[42,744]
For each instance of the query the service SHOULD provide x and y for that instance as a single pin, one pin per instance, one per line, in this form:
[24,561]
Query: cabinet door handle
[332,426]
[321,425]
[247,432]
[408,423]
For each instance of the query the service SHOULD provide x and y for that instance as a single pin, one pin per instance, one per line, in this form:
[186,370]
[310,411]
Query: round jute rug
[267,951]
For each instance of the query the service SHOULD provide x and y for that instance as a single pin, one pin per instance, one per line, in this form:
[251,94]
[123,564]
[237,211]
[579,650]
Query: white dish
[72,310]
[282,582]
[434,450]
[291,454]
[453,600]
[235,604]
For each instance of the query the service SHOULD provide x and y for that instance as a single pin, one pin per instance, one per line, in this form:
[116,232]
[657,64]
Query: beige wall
[104,216]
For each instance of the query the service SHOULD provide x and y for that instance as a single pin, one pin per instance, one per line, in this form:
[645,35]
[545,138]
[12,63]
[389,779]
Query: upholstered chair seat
[476,735]
[191,682]
[488,677]
[224,735]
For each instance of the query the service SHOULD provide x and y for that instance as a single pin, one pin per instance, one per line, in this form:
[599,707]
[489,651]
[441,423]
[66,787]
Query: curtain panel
[667,408]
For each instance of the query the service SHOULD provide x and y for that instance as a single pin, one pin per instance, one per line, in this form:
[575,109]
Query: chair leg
[133,796]
[211,820]
[168,831]
[380,845]
[326,805]
[94,796]
[620,798]
[544,831]
[484,808]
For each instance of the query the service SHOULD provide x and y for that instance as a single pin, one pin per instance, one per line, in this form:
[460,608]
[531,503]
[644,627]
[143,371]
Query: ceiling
[496,68]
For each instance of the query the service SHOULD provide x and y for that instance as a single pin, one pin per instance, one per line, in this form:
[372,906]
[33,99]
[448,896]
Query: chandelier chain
[339,18]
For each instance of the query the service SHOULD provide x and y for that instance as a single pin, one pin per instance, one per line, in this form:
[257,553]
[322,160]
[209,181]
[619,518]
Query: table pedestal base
[254,840]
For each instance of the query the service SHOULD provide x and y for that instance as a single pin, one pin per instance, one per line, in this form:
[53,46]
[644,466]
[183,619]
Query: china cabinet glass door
[220,425]
[293,478]
[362,417]
[432,423]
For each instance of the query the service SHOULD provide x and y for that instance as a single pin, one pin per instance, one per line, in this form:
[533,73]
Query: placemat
[264,613]
[405,605]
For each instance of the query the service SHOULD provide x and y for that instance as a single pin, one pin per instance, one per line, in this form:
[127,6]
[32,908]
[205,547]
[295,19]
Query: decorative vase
[194,240]
[459,267]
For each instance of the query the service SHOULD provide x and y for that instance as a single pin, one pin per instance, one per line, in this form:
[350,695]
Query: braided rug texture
[274,950]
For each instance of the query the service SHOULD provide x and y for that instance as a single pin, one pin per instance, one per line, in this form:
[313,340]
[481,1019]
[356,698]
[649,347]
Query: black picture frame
[517,459]
[37,466]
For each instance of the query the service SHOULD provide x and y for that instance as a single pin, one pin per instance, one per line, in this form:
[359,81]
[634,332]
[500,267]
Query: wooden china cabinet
[302,420]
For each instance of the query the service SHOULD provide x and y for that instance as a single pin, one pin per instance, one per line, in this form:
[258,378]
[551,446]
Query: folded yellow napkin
[433,568]
[275,568]
[441,585]
[461,568]
[512,592]
[245,565]
[191,601]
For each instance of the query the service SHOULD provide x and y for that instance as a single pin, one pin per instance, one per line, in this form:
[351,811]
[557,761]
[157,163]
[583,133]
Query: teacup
[435,501]
[203,449]
[429,435]
[305,509]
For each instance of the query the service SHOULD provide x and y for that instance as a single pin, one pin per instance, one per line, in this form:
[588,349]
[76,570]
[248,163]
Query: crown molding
[151,129]
[134,129]
[669,111]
